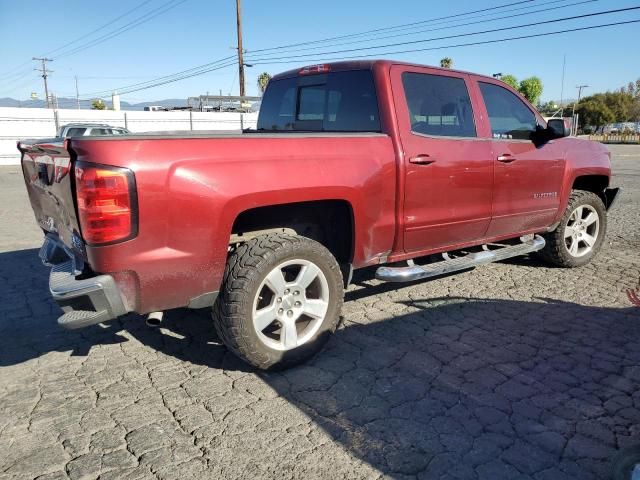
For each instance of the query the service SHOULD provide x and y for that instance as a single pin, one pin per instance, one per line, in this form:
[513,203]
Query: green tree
[531,89]
[510,80]
[263,81]
[594,111]
[548,108]
[98,105]
[446,62]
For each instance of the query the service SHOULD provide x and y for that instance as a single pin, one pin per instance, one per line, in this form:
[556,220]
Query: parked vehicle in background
[90,129]
[420,171]
[155,108]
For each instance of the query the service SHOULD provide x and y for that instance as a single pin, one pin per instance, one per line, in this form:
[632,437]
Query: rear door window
[334,102]
[439,105]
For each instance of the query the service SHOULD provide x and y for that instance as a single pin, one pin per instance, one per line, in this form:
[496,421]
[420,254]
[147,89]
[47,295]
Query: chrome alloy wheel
[291,304]
[581,232]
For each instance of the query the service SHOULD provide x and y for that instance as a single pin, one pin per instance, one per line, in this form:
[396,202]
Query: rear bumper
[84,301]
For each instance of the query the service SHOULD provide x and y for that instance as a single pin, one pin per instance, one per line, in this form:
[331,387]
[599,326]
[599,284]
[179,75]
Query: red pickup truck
[420,170]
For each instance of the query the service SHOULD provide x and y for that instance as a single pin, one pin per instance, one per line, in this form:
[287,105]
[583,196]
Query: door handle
[506,158]
[422,159]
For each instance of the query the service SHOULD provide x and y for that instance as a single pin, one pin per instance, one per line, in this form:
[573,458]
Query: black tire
[246,270]
[556,251]
[624,463]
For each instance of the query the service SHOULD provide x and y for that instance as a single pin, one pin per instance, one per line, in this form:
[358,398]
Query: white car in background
[90,129]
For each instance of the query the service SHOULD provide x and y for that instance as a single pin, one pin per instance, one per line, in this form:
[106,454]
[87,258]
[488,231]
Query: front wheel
[280,300]
[580,234]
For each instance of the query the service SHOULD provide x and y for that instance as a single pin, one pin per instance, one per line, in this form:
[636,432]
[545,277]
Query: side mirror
[558,128]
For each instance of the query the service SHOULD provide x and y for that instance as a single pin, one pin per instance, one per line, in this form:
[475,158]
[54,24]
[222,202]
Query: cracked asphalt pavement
[513,370]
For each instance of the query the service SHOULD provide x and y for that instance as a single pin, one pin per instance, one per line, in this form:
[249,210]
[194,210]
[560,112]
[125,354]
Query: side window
[438,105]
[75,132]
[510,118]
[99,131]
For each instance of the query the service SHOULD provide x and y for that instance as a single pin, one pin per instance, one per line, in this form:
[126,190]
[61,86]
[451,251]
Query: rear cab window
[343,101]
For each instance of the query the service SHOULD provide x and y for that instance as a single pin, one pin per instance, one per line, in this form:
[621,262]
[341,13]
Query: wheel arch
[330,222]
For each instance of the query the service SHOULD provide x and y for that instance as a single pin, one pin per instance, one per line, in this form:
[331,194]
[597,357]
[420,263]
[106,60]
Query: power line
[530,12]
[484,42]
[126,27]
[10,74]
[157,84]
[205,67]
[412,42]
[140,5]
[167,77]
[218,64]
[376,30]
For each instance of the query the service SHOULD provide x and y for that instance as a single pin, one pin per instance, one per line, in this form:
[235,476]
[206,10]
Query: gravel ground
[513,370]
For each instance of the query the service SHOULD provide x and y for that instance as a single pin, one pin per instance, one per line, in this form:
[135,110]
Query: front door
[448,170]
[527,176]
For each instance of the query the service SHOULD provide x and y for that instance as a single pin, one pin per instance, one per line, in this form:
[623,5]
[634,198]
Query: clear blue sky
[200,31]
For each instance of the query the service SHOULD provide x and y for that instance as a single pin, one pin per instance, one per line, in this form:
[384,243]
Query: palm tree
[263,81]
[446,62]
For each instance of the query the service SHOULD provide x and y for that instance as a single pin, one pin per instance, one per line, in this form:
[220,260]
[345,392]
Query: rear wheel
[280,300]
[580,234]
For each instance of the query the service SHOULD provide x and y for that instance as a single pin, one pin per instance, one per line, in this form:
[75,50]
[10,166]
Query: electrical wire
[412,42]
[484,42]
[530,12]
[204,68]
[111,22]
[398,52]
[405,25]
[165,7]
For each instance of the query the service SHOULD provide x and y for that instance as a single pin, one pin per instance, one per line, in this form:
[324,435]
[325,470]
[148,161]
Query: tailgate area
[46,166]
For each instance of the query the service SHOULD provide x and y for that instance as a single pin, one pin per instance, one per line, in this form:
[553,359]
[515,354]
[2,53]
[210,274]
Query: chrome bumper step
[417,272]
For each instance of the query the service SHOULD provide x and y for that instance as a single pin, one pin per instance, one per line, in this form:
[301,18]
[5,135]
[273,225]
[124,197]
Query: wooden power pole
[45,73]
[240,51]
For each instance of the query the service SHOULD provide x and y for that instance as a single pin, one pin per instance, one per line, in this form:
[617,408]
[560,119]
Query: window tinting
[510,118]
[100,131]
[335,102]
[438,105]
[76,132]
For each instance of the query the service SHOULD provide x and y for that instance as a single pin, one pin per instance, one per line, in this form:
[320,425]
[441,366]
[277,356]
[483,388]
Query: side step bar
[417,272]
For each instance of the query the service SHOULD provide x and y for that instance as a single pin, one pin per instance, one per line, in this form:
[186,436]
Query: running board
[417,272]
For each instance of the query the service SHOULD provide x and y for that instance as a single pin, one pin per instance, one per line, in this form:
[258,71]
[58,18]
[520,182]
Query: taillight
[311,69]
[107,206]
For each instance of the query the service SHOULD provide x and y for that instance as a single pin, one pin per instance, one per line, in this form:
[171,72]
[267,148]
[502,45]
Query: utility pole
[240,51]
[580,87]
[573,110]
[564,64]
[45,73]
[77,94]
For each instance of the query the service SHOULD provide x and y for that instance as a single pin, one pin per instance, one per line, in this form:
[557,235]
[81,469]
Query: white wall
[21,123]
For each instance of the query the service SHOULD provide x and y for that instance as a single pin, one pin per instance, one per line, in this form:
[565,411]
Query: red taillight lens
[311,69]
[106,203]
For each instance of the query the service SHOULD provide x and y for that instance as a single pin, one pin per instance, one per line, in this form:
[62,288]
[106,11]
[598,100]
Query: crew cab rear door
[527,176]
[448,169]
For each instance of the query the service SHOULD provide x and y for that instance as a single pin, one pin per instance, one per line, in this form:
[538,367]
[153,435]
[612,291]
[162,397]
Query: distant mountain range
[71,103]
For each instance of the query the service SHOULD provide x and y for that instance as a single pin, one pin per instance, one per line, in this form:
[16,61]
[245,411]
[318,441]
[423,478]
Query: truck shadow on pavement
[448,388]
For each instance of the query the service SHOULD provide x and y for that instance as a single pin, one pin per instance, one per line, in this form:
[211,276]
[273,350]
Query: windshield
[333,102]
